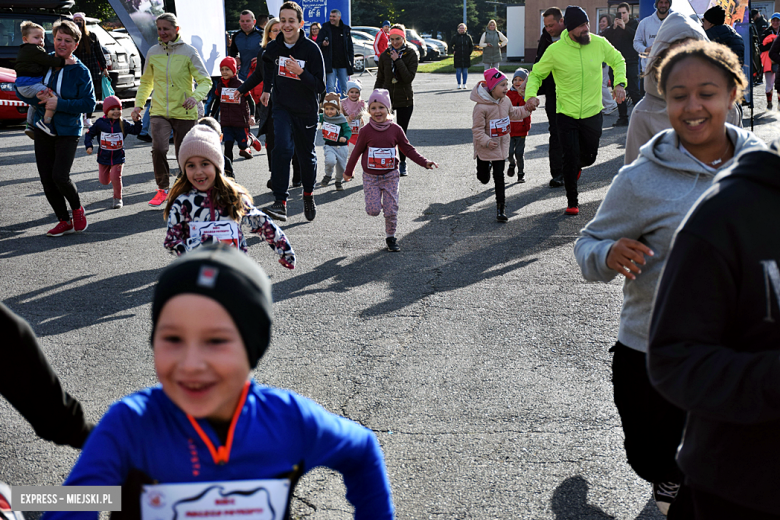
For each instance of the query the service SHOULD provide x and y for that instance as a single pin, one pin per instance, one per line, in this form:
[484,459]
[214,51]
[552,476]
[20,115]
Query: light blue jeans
[462,71]
[341,75]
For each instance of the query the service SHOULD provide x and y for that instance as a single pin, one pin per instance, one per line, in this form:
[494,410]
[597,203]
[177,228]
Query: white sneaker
[87,121]
[117,203]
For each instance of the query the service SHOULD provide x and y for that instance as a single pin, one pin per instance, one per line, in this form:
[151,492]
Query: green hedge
[446,66]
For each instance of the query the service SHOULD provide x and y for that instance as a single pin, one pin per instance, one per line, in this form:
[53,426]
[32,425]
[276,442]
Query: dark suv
[14,12]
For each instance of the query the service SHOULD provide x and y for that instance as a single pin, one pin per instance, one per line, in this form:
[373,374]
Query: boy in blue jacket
[208,424]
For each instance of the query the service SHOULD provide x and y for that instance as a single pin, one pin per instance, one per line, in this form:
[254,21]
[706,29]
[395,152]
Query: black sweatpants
[580,143]
[554,150]
[54,158]
[707,506]
[402,117]
[483,174]
[652,426]
[33,388]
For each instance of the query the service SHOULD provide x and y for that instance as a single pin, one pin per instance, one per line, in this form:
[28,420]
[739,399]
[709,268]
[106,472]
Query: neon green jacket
[577,72]
[170,69]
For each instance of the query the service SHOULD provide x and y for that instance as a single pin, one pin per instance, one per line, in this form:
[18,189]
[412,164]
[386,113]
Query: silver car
[119,69]
[127,43]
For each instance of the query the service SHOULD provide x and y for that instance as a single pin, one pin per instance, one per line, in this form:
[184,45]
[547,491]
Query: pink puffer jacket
[490,116]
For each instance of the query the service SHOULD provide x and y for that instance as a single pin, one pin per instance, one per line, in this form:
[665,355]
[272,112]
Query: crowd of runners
[695,360]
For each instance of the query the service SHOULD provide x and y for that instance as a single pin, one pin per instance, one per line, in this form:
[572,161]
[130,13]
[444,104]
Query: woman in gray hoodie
[632,232]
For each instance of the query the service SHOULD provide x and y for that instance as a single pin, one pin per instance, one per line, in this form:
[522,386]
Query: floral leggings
[382,195]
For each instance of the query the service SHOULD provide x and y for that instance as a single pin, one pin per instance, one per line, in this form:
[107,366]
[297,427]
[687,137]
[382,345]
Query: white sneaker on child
[117,203]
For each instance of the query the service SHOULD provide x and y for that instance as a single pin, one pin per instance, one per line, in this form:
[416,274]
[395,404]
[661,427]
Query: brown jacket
[488,109]
[399,84]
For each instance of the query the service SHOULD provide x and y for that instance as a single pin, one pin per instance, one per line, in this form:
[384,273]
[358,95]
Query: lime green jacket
[170,69]
[577,72]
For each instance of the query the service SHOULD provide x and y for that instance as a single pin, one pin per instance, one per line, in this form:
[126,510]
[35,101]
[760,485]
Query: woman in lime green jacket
[171,67]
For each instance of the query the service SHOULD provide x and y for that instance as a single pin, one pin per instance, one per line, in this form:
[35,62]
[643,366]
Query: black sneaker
[144,137]
[46,127]
[297,184]
[402,169]
[325,181]
[621,121]
[392,244]
[309,207]
[339,186]
[277,210]
[510,172]
[520,177]
[664,494]
[557,182]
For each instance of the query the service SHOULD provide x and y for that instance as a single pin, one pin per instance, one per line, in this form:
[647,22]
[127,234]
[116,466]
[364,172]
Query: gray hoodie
[647,201]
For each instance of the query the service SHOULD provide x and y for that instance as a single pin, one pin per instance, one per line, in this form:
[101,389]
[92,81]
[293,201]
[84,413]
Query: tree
[233,10]
[373,12]
[97,9]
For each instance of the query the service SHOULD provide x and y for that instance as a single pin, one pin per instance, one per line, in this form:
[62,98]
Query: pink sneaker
[159,198]
[79,220]
[63,228]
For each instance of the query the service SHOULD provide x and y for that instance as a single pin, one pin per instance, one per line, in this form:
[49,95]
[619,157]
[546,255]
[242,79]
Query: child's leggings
[335,157]
[112,174]
[382,194]
[483,174]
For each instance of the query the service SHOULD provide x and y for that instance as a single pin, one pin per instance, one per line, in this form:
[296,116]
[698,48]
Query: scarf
[381,127]
[400,52]
[337,120]
[353,108]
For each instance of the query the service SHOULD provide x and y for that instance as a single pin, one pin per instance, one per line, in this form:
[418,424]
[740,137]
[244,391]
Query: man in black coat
[553,27]
[335,42]
[621,36]
[714,24]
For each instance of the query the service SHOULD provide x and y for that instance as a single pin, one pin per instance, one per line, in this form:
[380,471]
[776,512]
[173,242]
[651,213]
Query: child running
[518,129]
[111,130]
[336,134]
[209,440]
[490,127]
[354,109]
[32,62]
[235,116]
[376,144]
[205,206]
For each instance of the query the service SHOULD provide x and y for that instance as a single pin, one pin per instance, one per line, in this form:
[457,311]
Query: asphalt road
[478,354]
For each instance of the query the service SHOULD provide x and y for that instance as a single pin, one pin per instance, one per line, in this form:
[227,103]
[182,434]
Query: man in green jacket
[575,62]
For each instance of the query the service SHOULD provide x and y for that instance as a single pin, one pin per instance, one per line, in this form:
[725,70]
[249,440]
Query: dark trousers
[632,90]
[293,135]
[707,506]
[554,150]
[54,157]
[580,143]
[483,174]
[516,151]
[402,117]
[652,426]
[270,143]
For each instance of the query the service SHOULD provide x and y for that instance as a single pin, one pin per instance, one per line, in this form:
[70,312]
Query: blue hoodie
[76,96]
[110,126]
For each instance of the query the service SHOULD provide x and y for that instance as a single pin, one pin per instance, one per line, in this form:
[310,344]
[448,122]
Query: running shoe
[47,128]
[277,210]
[79,220]
[309,207]
[159,198]
[573,210]
[65,227]
[392,244]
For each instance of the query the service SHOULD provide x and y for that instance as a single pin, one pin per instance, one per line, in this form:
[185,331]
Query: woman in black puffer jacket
[462,46]
[396,70]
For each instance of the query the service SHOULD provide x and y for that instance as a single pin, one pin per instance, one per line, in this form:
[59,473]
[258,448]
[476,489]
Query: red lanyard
[221,455]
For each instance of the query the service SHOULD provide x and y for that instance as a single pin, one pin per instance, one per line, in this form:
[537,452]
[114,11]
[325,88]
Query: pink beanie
[111,102]
[381,95]
[202,141]
[493,77]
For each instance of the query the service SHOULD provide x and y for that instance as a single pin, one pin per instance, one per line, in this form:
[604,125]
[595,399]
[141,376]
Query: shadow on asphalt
[570,502]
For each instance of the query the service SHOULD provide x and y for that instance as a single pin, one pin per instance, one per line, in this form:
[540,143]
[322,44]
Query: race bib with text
[227,96]
[330,132]
[283,70]
[111,141]
[499,127]
[381,158]
[223,230]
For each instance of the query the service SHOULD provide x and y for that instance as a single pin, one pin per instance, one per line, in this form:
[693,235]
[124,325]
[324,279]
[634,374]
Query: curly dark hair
[715,54]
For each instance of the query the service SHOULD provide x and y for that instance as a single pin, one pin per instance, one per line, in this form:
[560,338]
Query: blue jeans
[462,71]
[341,74]
[145,120]
[293,134]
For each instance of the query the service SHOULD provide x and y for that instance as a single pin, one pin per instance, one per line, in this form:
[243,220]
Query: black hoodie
[299,97]
[715,334]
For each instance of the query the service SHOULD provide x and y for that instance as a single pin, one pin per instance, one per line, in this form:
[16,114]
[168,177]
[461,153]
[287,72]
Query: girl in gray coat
[632,232]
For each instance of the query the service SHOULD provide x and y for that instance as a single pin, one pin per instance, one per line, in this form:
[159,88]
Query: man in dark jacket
[621,36]
[714,24]
[715,342]
[246,43]
[335,42]
[553,27]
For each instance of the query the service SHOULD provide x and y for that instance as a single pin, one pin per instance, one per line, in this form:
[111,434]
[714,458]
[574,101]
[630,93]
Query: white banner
[202,25]
[273,7]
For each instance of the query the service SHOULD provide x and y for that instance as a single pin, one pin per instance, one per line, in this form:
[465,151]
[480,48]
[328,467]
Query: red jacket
[518,128]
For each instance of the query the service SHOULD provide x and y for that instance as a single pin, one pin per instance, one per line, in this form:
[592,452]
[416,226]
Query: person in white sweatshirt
[648,29]
[632,233]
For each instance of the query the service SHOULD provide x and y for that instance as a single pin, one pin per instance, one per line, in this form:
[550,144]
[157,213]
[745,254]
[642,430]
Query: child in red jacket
[519,129]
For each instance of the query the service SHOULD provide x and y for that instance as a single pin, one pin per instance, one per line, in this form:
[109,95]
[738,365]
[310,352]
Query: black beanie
[574,17]
[233,280]
[715,15]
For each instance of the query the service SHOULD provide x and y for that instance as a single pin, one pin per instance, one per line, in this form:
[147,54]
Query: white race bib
[286,73]
[223,230]
[330,132]
[227,96]
[381,158]
[111,141]
[244,499]
[499,127]
[354,125]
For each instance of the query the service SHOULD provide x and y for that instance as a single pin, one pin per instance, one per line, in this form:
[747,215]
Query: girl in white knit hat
[205,206]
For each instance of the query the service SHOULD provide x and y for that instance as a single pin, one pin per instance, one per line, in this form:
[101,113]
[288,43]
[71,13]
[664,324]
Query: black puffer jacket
[462,46]
[726,35]
[401,93]
[548,85]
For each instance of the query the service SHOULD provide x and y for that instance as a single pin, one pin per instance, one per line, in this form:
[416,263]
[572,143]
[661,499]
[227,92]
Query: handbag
[105,83]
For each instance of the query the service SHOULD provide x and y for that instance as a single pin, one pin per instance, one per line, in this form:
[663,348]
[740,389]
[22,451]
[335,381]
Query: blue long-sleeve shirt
[76,96]
[276,431]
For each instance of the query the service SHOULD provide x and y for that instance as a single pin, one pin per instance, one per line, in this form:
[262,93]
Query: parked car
[364,55]
[119,69]
[10,115]
[133,53]
[14,12]
[368,30]
[363,37]
[412,36]
[438,44]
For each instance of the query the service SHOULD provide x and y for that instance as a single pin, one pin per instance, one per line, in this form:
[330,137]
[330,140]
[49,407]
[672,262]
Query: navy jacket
[726,35]
[327,51]
[300,96]
[245,46]
[110,126]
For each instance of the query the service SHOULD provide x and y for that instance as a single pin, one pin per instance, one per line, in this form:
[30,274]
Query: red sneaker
[579,173]
[257,145]
[159,198]
[63,228]
[573,210]
[79,220]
